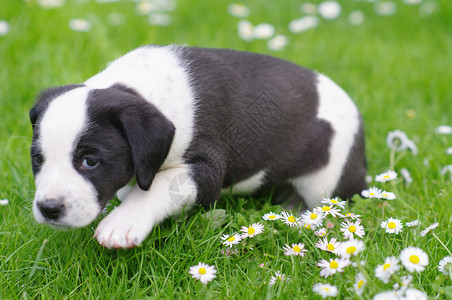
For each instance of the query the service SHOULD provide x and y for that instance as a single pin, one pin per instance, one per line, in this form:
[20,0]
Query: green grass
[390,65]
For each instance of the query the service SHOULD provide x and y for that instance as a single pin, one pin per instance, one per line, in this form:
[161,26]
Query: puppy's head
[87,144]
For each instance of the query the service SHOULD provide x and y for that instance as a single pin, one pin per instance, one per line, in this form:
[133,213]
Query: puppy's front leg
[128,224]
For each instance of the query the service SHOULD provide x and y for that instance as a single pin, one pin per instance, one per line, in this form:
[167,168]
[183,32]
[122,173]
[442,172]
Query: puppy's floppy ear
[148,132]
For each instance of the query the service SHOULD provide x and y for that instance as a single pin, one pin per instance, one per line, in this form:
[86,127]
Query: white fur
[59,128]
[129,223]
[335,107]
[248,185]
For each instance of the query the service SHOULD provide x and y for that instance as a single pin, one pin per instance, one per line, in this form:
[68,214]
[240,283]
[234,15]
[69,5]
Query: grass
[397,68]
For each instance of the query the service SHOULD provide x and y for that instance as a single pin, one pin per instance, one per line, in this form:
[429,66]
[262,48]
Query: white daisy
[412,223]
[313,218]
[349,229]
[406,281]
[4,202]
[308,8]
[414,294]
[414,259]
[412,147]
[406,176]
[449,151]
[444,129]
[447,169]
[428,229]
[331,246]
[320,232]
[246,30]
[329,10]
[351,248]
[386,270]
[327,210]
[295,250]
[386,176]
[238,10]
[252,231]
[445,266]
[397,140]
[4,27]
[160,19]
[334,201]
[231,239]
[303,24]
[385,8]
[278,42]
[352,216]
[203,272]
[389,295]
[360,283]
[325,290]
[264,31]
[392,225]
[387,195]
[271,216]
[50,3]
[289,219]
[80,25]
[278,277]
[372,193]
[356,17]
[333,266]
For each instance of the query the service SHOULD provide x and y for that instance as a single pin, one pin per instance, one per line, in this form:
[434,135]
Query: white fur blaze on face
[59,130]
[335,107]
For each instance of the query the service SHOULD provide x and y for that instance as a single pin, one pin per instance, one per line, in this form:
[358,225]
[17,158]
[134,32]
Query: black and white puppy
[166,127]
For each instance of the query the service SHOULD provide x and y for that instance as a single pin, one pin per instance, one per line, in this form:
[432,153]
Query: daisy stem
[442,244]
[391,160]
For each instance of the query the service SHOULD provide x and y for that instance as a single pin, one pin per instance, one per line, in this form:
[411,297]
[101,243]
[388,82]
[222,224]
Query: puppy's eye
[89,163]
[38,159]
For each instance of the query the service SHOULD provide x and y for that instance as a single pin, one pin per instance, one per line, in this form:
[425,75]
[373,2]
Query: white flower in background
[278,277]
[412,223]
[271,216]
[231,239]
[447,169]
[385,8]
[145,7]
[449,151]
[397,140]
[412,2]
[387,269]
[303,24]
[386,176]
[445,266]
[264,31]
[334,201]
[4,27]
[308,8]
[295,250]
[80,25]
[252,230]
[278,43]
[246,30]
[444,129]
[320,232]
[414,259]
[203,272]
[352,216]
[238,10]
[412,147]
[314,219]
[389,295]
[160,19]
[325,290]
[406,281]
[351,248]
[428,8]
[356,17]
[50,3]
[372,193]
[387,195]
[406,176]
[428,229]
[331,246]
[392,225]
[327,210]
[349,229]
[333,266]
[329,10]
[414,294]
[360,284]
[116,19]
[289,219]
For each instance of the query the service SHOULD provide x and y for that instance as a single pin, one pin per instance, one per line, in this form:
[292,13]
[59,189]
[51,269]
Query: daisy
[4,202]
[232,239]
[349,229]
[332,246]
[412,147]
[334,201]
[329,10]
[389,295]
[360,284]
[392,225]
[386,270]
[444,129]
[295,250]
[4,27]
[252,230]
[327,210]
[397,140]
[314,218]
[332,266]
[246,30]
[356,17]
[412,223]
[264,31]
[238,10]
[203,272]
[386,176]
[414,259]
[325,290]
[406,281]
[303,24]
[271,216]
[406,176]
[352,216]
[414,294]
[289,219]
[278,43]
[351,248]
[428,229]
[372,193]
[387,195]
[320,232]
[445,266]
[278,277]
[80,25]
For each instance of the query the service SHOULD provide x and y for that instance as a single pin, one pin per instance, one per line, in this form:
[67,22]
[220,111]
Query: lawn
[393,58]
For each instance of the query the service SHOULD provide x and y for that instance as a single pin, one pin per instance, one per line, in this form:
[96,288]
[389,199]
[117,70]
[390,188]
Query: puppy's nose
[51,209]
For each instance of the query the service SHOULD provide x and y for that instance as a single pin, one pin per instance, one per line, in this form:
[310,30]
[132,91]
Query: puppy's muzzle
[51,209]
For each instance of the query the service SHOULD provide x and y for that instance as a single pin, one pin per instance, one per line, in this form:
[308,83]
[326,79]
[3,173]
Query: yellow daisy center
[414,259]
[334,265]
[360,283]
[385,266]
[334,201]
[231,239]
[372,193]
[202,271]
[385,195]
[326,289]
[351,249]
[291,219]
[391,225]
[352,228]
[313,216]
[272,217]
[308,226]
[326,208]
[296,249]
[330,247]
[251,230]
[386,177]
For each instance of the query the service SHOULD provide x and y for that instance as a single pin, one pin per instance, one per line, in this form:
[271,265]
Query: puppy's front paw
[116,231]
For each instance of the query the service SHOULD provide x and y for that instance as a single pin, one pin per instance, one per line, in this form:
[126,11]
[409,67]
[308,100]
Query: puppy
[165,127]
